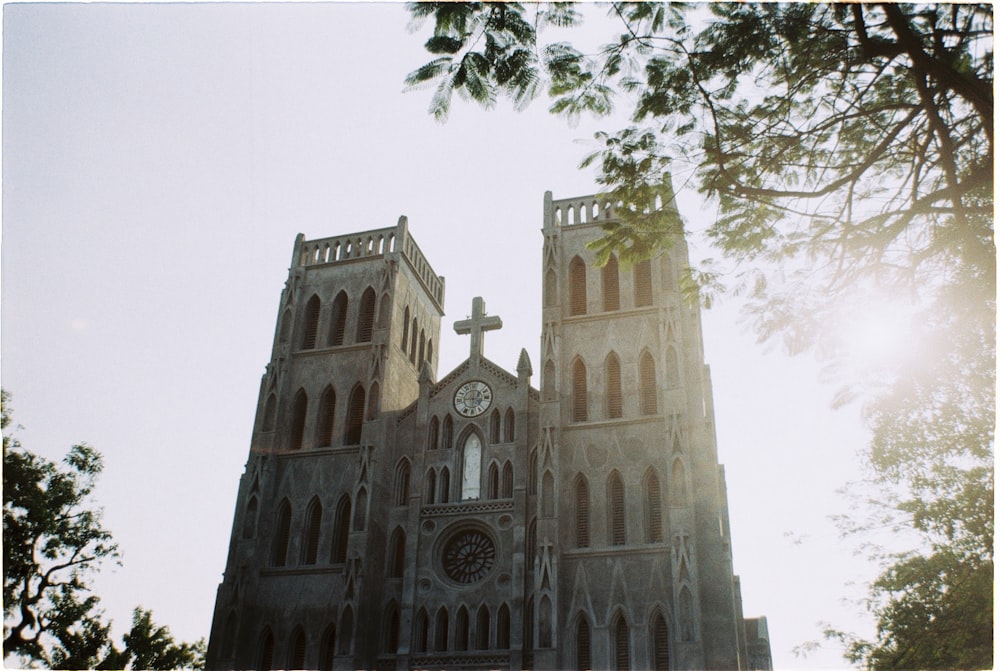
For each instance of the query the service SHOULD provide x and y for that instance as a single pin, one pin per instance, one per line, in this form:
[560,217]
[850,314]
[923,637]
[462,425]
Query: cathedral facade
[387,519]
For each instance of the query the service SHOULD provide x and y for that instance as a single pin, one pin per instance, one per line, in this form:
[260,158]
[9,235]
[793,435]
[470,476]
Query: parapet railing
[582,210]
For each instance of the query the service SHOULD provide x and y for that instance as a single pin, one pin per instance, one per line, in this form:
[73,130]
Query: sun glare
[879,333]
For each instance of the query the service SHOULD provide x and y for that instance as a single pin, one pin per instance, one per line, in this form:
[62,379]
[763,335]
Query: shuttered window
[355,416]
[643,284]
[579,391]
[577,287]
[311,323]
[616,509]
[366,316]
[613,377]
[654,513]
[338,321]
[621,652]
[609,285]
[647,384]
[661,643]
[582,500]
[583,645]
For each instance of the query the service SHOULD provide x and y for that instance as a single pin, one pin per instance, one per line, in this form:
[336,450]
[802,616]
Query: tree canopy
[849,149]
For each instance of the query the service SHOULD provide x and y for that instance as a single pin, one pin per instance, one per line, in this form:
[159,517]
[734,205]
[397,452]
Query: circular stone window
[468,556]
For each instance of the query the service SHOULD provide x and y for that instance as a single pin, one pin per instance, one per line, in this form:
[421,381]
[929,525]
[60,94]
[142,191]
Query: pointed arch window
[579,391]
[622,660]
[643,284]
[441,630]
[430,350]
[413,341]
[327,409]
[361,510]
[430,488]
[341,530]
[582,500]
[338,320]
[406,329]
[472,458]
[346,630]
[613,376]
[616,509]
[660,636]
[495,426]
[532,542]
[250,519]
[609,284]
[508,426]
[647,385]
[423,344]
[297,650]
[446,430]
[533,472]
[311,323]
[503,627]
[577,287]
[310,540]
[654,512]
[421,631]
[583,644]
[329,648]
[483,628]
[493,482]
[432,434]
[397,553]
[445,488]
[401,490]
[366,316]
[282,527]
[265,655]
[298,427]
[390,637]
[462,629]
[355,416]
[507,483]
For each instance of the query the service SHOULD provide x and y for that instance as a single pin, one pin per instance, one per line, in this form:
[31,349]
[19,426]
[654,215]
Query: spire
[523,364]
[475,325]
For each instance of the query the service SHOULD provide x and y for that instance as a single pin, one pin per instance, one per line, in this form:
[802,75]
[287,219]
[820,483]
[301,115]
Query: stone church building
[390,519]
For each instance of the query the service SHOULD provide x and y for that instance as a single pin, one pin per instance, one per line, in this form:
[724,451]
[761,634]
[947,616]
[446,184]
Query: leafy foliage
[849,148]
[148,646]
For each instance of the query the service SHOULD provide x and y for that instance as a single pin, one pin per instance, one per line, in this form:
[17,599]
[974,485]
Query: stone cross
[478,323]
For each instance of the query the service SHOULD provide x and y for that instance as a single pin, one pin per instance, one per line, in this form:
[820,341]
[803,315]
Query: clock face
[472,398]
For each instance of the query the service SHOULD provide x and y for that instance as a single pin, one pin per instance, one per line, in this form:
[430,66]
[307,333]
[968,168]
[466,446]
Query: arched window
[338,320]
[583,644]
[341,530]
[609,284]
[346,630]
[446,431]
[297,650]
[298,427]
[310,539]
[550,288]
[621,644]
[406,329]
[445,486]
[430,486]
[462,629]
[361,510]
[582,500]
[483,628]
[413,341]
[673,369]
[390,637]
[507,484]
[647,385]
[355,416]
[282,527]
[643,284]
[493,482]
[678,485]
[432,434]
[613,375]
[548,495]
[329,648]
[250,518]
[327,408]
[508,426]
[401,490]
[373,400]
[366,316]
[430,350]
[495,426]
[265,654]
[577,287]
[503,627]
[616,509]
[579,391]
[397,553]
[654,513]
[441,630]
[423,344]
[421,629]
[660,636]
[270,411]
[549,381]
[311,323]
[472,458]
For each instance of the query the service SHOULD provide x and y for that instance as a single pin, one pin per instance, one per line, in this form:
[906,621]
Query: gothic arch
[613,383]
[341,530]
[310,536]
[577,287]
[643,277]
[609,285]
[397,553]
[338,320]
[659,636]
[421,631]
[355,416]
[648,404]
[653,506]
[298,428]
[413,341]
[616,509]
[581,501]
[297,649]
[282,529]
[447,428]
[507,481]
[620,643]
[495,426]
[432,433]
[579,390]
[441,629]
[445,486]
[366,316]
[328,648]
[401,487]
[462,629]
[406,329]
[327,410]
[583,652]
[361,509]
[390,630]
[503,627]
[430,486]
[265,650]
[508,426]
[493,481]
[483,628]
[310,323]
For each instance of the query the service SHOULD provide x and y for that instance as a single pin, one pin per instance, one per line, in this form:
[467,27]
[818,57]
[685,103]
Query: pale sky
[158,162]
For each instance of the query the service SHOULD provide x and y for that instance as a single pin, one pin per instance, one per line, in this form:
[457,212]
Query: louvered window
[577,287]
[583,645]
[582,513]
[266,656]
[297,657]
[643,284]
[310,546]
[661,644]
[311,323]
[338,322]
[341,530]
[579,391]
[654,514]
[621,652]
[609,284]
[616,508]
[328,406]
[355,416]
[613,375]
[281,532]
[366,316]
[298,427]
[647,384]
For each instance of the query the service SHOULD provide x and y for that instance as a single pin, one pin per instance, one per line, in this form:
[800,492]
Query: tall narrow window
[423,344]
[341,530]
[338,320]
[297,650]
[286,325]
[390,639]
[462,629]
[361,510]
[616,509]
[495,426]
[507,484]
[621,644]
[493,482]
[430,486]
[366,316]
[503,627]
[654,513]
[430,350]
[643,284]
[327,408]
[346,630]
[647,385]
[265,658]
[613,376]
[582,499]
[279,552]
[311,323]
[579,391]
[310,540]
[529,624]
[577,287]
[472,457]
[413,341]
[446,430]
[406,329]
[401,492]
[441,630]
[355,416]
[445,488]
[298,427]
[397,553]
[329,648]
[609,284]
[421,631]
[508,426]
[583,644]
[661,643]
[483,628]
[532,542]
[432,434]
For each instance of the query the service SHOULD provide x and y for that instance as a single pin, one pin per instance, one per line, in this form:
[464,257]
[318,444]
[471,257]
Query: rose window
[468,556]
